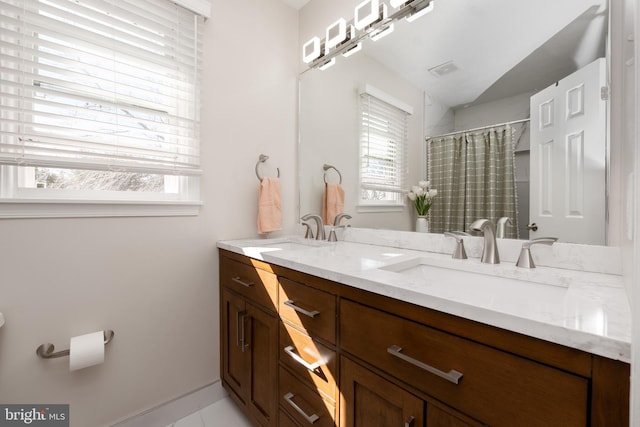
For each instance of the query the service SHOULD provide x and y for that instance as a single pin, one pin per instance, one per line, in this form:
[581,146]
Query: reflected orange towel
[269,206]
[332,202]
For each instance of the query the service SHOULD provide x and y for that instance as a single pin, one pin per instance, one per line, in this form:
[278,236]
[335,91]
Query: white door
[568,158]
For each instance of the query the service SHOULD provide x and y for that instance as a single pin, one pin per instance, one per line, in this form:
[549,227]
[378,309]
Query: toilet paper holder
[46,351]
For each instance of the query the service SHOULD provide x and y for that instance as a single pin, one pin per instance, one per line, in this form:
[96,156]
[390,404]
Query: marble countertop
[585,310]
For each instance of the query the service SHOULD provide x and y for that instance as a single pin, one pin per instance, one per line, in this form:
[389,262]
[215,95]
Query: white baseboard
[176,409]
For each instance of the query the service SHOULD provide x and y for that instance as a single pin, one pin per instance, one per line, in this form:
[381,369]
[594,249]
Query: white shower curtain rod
[480,128]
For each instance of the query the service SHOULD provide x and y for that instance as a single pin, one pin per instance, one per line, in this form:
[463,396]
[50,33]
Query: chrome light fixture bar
[346,37]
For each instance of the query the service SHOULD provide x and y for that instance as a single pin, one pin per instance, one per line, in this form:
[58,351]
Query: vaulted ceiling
[469,51]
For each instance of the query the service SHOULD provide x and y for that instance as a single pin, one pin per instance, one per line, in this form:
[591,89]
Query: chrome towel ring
[325,168]
[263,159]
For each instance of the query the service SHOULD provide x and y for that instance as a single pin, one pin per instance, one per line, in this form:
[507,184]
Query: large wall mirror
[463,66]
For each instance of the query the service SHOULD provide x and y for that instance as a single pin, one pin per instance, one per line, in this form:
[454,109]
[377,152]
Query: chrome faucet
[490,250]
[308,232]
[525,260]
[319,225]
[501,228]
[336,225]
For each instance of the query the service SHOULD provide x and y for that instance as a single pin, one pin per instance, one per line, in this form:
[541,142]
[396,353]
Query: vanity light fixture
[347,53]
[397,3]
[311,50]
[378,34]
[372,19]
[327,64]
[366,13]
[423,10]
[336,34]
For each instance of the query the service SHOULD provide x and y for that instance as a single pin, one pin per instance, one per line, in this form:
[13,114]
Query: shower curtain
[474,174]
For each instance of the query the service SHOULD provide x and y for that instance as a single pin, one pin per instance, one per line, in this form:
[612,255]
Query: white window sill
[379,208]
[33,208]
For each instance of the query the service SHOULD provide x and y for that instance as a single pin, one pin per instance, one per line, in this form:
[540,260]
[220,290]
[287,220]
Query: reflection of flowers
[422,197]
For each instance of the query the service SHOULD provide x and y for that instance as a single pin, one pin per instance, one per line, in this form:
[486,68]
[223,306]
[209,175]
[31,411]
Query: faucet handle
[339,218]
[332,233]
[501,227]
[525,260]
[459,252]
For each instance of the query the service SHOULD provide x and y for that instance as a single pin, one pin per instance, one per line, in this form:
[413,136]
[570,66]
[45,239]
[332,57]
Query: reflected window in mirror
[383,151]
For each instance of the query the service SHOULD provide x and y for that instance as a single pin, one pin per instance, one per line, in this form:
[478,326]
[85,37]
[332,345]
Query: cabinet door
[235,372]
[439,417]
[261,341]
[370,401]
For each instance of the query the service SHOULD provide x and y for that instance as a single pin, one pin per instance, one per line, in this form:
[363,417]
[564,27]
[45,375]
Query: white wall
[329,122]
[626,172]
[154,280]
[329,131]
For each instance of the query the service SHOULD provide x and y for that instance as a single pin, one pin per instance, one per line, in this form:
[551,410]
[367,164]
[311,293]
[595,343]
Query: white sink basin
[473,271]
[256,248]
[516,296]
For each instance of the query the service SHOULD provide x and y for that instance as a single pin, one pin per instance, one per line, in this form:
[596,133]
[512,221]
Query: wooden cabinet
[299,350]
[308,357]
[249,335]
[490,385]
[370,401]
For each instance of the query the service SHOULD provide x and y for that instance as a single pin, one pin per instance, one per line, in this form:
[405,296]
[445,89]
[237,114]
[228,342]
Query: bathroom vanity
[331,335]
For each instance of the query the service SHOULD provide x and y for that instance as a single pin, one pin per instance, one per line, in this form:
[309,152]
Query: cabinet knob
[409,422]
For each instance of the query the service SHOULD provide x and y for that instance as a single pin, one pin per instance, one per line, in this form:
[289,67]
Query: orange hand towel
[269,206]
[332,202]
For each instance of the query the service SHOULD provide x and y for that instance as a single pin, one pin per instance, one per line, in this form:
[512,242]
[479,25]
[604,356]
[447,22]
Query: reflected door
[568,158]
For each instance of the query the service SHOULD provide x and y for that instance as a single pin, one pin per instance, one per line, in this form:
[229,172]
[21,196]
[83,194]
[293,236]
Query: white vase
[422,224]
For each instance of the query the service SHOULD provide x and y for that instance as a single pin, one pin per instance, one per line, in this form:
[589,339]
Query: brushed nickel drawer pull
[409,422]
[300,360]
[453,375]
[242,316]
[293,305]
[240,328]
[242,282]
[310,418]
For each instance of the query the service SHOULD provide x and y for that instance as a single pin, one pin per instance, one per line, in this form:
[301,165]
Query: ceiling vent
[444,69]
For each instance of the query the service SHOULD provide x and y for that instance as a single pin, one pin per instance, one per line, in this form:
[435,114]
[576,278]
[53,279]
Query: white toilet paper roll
[86,350]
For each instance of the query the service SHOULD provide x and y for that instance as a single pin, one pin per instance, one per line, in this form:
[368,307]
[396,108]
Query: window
[383,150]
[99,103]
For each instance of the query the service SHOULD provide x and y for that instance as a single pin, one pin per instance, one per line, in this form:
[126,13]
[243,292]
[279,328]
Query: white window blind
[383,150]
[108,85]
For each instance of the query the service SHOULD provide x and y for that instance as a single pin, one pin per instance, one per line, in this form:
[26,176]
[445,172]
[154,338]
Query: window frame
[17,201]
[401,164]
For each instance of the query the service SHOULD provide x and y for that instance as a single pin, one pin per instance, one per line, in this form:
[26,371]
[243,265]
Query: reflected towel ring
[263,159]
[326,167]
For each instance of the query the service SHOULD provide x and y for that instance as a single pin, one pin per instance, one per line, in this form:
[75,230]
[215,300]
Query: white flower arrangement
[422,197]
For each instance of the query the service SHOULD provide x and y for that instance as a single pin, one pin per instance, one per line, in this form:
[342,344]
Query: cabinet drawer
[309,308]
[303,404]
[258,285]
[309,360]
[494,387]
[285,421]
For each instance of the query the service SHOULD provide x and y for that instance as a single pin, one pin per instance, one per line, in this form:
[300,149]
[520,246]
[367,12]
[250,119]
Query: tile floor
[223,413]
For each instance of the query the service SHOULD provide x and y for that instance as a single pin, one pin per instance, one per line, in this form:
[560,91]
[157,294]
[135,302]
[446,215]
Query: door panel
[568,158]
[370,401]
[235,367]
[262,350]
